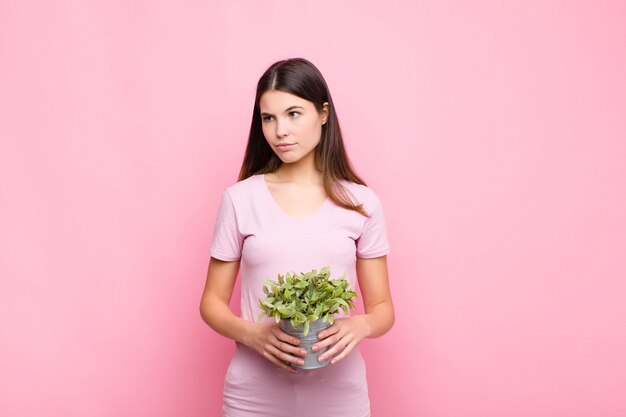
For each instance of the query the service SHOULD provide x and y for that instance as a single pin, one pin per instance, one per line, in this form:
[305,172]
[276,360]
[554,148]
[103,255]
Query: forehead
[273,101]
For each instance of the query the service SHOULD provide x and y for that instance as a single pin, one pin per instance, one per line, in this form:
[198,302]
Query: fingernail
[321,358]
[303,352]
[314,348]
[300,363]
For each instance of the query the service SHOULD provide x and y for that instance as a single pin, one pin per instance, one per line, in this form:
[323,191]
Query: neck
[302,172]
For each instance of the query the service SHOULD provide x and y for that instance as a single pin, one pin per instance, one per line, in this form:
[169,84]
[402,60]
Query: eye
[267,118]
[293,114]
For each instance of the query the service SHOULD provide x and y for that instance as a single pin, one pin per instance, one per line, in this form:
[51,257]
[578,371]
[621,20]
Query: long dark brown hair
[301,78]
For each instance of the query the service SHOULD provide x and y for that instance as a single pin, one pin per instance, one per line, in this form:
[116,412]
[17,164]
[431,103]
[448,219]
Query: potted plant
[305,304]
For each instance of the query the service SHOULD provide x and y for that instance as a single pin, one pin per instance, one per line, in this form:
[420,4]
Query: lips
[284,146]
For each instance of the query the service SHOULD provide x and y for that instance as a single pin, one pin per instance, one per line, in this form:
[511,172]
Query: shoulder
[362,194]
[244,188]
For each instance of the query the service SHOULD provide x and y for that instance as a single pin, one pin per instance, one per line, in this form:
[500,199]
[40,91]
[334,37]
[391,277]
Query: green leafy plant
[304,298]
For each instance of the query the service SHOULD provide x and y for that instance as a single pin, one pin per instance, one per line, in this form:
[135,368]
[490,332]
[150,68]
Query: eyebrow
[286,111]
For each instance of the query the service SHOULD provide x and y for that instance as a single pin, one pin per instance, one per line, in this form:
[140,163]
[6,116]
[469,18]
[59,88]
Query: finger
[328,332]
[345,352]
[280,335]
[283,356]
[328,341]
[288,343]
[286,347]
[267,355]
[336,349]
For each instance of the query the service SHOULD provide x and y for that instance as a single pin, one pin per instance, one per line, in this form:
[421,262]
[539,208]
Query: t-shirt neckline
[269,195]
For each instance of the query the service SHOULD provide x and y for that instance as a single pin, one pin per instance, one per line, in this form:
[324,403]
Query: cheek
[266,131]
[318,133]
[314,130]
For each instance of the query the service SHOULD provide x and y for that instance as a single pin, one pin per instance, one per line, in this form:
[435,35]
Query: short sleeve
[373,241]
[227,239]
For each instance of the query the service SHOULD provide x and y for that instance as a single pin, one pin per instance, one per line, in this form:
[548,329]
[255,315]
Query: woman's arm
[346,333]
[265,338]
[374,284]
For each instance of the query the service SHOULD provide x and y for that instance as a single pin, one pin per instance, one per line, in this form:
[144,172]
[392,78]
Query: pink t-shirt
[252,227]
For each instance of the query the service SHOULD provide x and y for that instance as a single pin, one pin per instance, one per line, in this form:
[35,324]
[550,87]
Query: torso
[264,233]
[254,229]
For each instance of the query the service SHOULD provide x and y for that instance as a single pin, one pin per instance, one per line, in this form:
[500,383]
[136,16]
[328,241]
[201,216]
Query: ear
[324,113]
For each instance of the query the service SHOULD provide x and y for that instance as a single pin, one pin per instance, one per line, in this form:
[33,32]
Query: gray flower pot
[310,360]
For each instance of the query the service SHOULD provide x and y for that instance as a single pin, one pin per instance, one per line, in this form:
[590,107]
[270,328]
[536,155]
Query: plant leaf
[270,283]
[319,309]
[286,312]
[302,284]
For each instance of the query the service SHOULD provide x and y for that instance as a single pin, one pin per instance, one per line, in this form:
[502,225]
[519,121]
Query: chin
[289,160]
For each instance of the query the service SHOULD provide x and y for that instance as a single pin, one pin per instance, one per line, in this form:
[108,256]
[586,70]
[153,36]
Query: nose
[281,128]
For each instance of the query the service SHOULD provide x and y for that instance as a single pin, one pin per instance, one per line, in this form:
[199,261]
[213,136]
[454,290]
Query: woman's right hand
[276,346]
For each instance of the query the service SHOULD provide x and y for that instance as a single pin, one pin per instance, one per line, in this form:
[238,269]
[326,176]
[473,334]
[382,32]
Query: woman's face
[291,125]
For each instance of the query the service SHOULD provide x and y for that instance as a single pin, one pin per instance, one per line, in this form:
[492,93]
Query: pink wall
[492,131]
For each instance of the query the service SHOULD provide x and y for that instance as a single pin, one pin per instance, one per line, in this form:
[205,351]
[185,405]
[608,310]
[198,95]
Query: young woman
[298,206]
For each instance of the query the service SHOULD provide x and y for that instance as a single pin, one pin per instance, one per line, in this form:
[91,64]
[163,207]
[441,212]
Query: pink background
[494,133]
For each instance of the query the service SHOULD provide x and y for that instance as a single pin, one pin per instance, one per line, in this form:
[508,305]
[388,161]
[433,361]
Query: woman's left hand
[344,335]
